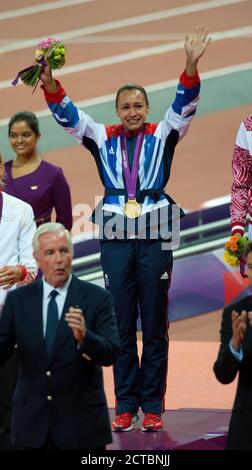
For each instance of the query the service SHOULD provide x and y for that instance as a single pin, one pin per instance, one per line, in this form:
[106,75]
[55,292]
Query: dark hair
[248,249]
[30,119]
[129,87]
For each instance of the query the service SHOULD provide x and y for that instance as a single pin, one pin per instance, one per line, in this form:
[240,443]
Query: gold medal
[132,209]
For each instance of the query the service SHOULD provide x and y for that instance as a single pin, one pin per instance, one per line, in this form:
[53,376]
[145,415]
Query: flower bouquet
[50,49]
[233,254]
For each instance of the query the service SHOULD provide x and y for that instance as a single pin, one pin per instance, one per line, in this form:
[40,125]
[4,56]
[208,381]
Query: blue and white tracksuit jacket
[103,141]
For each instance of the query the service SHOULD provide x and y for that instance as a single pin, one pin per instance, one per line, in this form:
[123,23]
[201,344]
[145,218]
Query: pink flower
[46,43]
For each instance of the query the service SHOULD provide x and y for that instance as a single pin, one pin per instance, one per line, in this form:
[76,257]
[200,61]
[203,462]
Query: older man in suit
[235,356]
[65,330]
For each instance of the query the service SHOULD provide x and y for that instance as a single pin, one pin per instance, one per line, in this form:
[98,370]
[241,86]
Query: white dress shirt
[237,354]
[60,298]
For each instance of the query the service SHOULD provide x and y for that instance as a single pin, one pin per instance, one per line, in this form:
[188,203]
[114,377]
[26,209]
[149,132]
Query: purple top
[44,189]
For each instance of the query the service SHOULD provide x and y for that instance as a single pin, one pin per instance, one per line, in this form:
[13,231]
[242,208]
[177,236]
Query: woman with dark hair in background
[31,178]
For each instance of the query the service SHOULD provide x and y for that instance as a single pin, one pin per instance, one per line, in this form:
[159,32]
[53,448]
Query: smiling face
[23,139]
[132,109]
[54,257]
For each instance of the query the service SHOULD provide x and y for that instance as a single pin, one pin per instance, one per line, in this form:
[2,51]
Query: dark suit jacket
[64,392]
[226,367]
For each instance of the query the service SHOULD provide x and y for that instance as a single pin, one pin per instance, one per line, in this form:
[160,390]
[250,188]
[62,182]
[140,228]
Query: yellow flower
[231,259]
[39,54]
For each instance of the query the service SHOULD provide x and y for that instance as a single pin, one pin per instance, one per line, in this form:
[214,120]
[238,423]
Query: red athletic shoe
[124,422]
[152,422]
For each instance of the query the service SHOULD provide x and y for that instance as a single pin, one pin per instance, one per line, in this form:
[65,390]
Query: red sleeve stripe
[56,97]
[189,82]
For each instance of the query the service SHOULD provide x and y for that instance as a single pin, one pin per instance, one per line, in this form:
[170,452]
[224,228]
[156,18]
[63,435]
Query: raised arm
[195,46]
[47,79]
[183,108]
[75,121]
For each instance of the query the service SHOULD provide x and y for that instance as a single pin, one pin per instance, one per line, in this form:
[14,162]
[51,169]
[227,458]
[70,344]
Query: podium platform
[184,429]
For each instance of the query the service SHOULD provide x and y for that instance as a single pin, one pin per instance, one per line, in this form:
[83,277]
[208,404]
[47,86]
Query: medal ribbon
[131,176]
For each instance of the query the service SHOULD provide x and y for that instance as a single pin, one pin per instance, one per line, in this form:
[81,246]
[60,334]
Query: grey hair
[50,227]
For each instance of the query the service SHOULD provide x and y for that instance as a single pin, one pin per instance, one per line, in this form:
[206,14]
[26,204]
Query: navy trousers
[138,274]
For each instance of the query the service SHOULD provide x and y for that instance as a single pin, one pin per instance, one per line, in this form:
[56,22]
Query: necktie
[51,322]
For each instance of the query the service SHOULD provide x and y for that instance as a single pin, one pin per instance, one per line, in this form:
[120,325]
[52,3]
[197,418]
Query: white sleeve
[26,233]
[76,122]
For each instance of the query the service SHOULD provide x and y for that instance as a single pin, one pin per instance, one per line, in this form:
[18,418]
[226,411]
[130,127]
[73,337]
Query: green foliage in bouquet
[50,49]
[54,51]
[234,249]
[31,76]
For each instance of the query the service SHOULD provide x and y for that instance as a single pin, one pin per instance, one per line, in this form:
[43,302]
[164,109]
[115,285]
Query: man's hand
[76,321]
[239,328]
[195,46]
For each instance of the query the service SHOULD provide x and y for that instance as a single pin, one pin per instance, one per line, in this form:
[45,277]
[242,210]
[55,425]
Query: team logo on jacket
[111,151]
